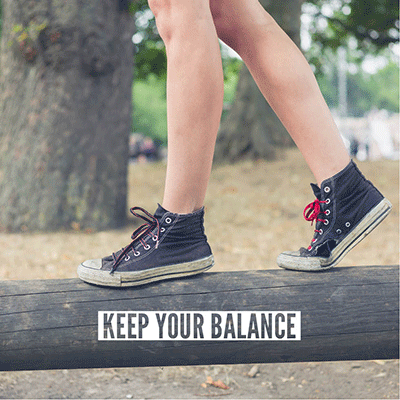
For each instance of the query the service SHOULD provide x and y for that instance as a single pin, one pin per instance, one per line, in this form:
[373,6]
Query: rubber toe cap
[92,264]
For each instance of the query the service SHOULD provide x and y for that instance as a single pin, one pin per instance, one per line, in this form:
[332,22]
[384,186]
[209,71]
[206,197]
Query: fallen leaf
[218,383]
[221,385]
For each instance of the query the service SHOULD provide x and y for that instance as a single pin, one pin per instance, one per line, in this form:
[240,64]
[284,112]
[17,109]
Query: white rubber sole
[293,260]
[92,273]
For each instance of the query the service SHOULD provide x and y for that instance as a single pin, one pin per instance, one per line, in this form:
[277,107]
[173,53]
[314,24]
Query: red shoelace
[311,213]
[140,233]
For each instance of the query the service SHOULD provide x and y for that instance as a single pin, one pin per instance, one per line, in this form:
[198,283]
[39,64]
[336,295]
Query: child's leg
[194,98]
[286,80]
[347,206]
[172,242]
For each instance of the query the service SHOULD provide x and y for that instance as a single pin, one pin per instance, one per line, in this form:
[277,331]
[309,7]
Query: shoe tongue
[316,190]
[160,212]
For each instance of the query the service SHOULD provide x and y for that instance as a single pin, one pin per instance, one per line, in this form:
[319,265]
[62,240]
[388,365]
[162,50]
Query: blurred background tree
[66,115]
[252,129]
[369,33]
[370,25]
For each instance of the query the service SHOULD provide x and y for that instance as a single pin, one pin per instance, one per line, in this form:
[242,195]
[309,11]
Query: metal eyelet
[168,220]
[327,201]
[326,222]
[136,253]
[147,247]
[127,258]
[338,231]
[162,230]
[347,224]
[327,189]
[155,238]
[321,231]
[327,212]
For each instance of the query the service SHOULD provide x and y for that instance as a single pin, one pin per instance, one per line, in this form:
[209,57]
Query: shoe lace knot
[139,234]
[312,211]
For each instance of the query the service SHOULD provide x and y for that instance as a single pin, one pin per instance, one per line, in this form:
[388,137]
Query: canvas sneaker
[166,246]
[346,209]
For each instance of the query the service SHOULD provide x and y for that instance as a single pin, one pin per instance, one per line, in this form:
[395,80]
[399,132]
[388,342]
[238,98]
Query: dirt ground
[253,212]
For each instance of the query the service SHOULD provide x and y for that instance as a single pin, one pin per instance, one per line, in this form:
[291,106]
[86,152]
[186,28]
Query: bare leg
[194,98]
[286,80]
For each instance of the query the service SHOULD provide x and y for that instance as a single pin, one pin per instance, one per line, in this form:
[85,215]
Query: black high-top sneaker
[167,246]
[347,208]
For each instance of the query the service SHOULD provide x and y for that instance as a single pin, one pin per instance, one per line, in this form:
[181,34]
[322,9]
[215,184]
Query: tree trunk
[252,129]
[65,112]
[243,134]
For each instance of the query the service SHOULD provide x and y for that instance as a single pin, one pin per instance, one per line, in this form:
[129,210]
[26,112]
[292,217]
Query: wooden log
[348,313]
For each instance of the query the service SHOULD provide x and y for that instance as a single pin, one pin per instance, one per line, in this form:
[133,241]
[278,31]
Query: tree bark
[252,129]
[243,134]
[65,112]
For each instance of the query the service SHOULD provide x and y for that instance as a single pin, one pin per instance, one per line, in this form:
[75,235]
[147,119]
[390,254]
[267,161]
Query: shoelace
[311,213]
[140,233]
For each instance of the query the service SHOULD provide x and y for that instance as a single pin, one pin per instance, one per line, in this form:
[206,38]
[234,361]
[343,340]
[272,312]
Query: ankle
[331,171]
[181,207]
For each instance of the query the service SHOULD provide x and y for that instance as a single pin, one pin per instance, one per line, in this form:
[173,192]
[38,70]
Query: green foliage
[232,67]
[371,25]
[365,91]
[137,5]
[383,88]
[150,59]
[150,108]
[150,103]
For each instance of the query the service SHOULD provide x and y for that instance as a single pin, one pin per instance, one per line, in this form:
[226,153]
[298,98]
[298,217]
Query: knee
[161,10]
[159,6]
[176,15]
